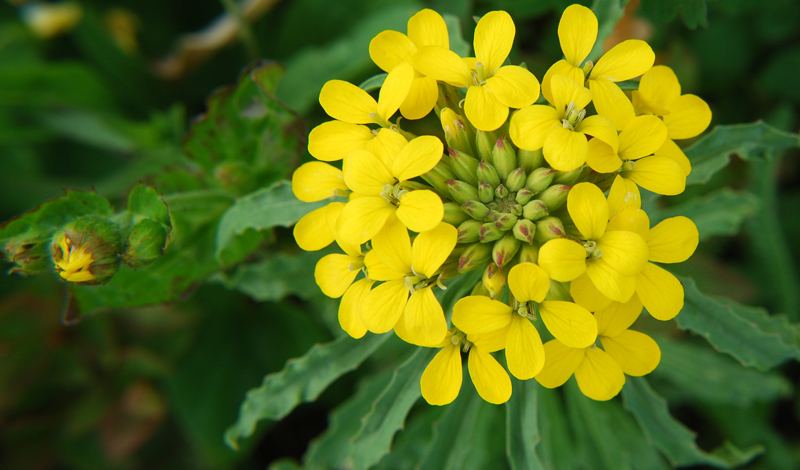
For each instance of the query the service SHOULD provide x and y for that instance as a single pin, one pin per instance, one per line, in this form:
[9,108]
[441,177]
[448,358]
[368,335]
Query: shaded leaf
[374,82]
[557,451]
[457,42]
[145,201]
[693,12]
[608,13]
[522,426]
[719,213]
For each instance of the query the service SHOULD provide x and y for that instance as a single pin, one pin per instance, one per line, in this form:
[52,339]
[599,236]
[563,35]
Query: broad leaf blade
[720,213]
[522,426]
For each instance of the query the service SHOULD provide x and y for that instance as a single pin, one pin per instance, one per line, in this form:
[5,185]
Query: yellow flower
[561,131]
[335,272]
[601,372]
[577,32]
[72,262]
[315,230]
[381,189]
[491,87]
[315,181]
[47,20]
[408,268]
[529,285]
[611,259]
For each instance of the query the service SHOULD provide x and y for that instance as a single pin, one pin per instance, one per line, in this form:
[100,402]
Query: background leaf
[720,213]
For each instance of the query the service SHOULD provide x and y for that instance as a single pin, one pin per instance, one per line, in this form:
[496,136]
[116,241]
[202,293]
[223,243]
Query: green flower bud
[449,97]
[480,289]
[504,249]
[540,179]
[495,278]
[514,208]
[548,228]
[461,191]
[457,135]
[558,291]
[529,253]
[87,250]
[535,210]
[524,230]
[490,232]
[464,167]
[487,172]
[485,192]
[503,157]
[146,241]
[501,192]
[516,180]
[475,209]
[523,196]
[474,256]
[505,221]
[469,231]
[28,251]
[484,143]
[570,178]
[530,159]
[453,214]
[554,197]
[439,176]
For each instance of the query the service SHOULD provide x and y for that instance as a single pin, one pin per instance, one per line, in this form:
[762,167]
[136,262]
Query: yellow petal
[432,248]
[365,174]
[588,209]
[377,271]
[489,377]
[601,157]
[566,90]
[528,281]
[421,98]
[565,150]
[600,127]
[571,324]
[334,273]
[424,319]
[631,220]
[530,126]
[483,109]
[586,294]
[393,246]
[688,117]
[478,314]
[660,291]
[611,102]
[420,210]
[636,353]
[311,231]
[624,193]
[625,61]
[362,218]
[386,145]
[673,240]
[658,86]
[642,136]
[563,259]
[442,64]
[382,307]
[315,181]
[661,175]
[670,149]
[562,67]
[524,349]
[624,251]
[418,157]
[514,86]
[599,376]
[492,341]
[390,49]
[559,363]
[350,306]
[441,381]
[427,28]
[618,317]
[332,216]
[609,281]
[347,102]
[395,89]
[333,140]
[494,36]
[577,32]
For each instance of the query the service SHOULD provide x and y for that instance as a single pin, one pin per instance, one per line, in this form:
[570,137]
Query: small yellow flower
[47,20]
[72,262]
[315,181]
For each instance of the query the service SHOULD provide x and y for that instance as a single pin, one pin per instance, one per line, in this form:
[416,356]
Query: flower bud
[480,289]
[461,191]
[464,167]
[456,134]
[539,179]
[146,242]
[474,256]
[495,278]
[484,143]
[524,230]
[535,210]
[505,221]
[516,180]
[453,214]
[28,251]
[529,253]
[490,232]
[548,228]
[501,192]
[524,196]
[485,192]
[503,157]
[439,176]
[487,172]
[530,159]
[87,250]
[554,197]
[505,249]
[475,209]
[469,231]
[570,178]
[449,97]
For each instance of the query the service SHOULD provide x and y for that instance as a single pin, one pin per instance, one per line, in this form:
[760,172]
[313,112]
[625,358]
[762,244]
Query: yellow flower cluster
[546,203]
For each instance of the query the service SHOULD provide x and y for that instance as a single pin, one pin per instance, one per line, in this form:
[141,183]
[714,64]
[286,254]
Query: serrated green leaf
[302,380]
[389,410]
[608,13]
[704,375]
[522,426]
[457,42]
[671,437]
[276,277]
[712,152]
[747,334]
[145,201]
[719,213]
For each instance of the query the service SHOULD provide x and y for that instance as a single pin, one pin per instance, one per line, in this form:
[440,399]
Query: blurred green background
[109,102]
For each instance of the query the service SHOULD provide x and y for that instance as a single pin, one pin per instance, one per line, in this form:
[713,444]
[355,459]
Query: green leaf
[277,277]
[389,410]
[89,128]
[750,335]
[413,443]
[457,42]
[671,437]
[144,201]
[192,211]
[522,427]
[719,213]
[693,12]
[608,13]
[557,451]
[301,380]
[704,375]
[712,152]
[53,84]
[374,82]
